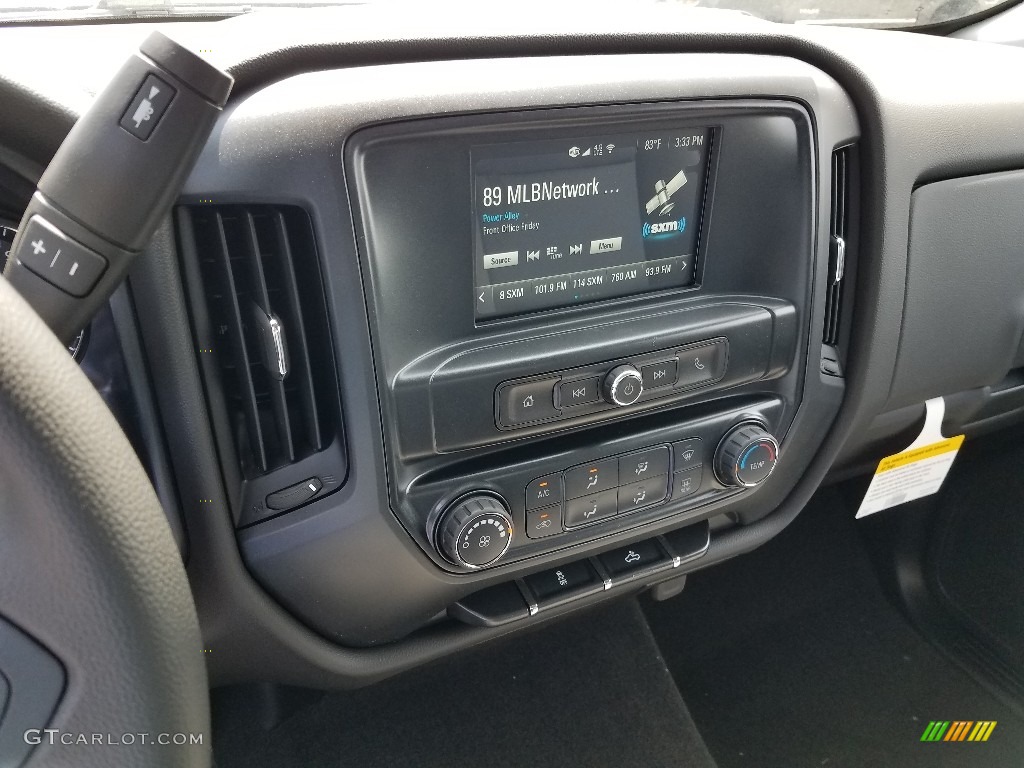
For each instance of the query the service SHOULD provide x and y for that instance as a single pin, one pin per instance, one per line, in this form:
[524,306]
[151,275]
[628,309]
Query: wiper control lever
[113,180]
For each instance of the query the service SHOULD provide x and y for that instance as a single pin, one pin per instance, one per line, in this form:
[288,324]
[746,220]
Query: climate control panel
[717,458]
[605,488]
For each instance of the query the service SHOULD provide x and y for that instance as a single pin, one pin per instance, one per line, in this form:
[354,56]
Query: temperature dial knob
[746,456]
[474,531]
[623,385]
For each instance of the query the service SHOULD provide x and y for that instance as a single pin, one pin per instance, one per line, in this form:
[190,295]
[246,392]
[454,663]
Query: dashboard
[440,343]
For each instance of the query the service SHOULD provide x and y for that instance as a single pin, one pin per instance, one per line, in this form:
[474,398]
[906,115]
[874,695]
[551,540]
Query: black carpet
[588,691]
[792,656]
[980,557]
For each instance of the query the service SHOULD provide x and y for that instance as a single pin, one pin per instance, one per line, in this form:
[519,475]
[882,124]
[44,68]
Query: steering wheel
[90,572]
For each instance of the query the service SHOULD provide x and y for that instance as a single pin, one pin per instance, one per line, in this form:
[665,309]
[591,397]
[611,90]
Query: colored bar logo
[958,730]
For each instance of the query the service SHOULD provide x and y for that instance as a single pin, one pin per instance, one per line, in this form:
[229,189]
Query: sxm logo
[664,228]
[958,730]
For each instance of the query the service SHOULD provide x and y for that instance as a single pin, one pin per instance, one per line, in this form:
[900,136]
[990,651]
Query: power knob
[623,385]
[474,531]
[746,456]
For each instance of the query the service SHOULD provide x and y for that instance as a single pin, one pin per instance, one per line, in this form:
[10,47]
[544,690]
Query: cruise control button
[636,557]
[701,365]
[591,508]
[579,392]
[591,478]
[659,374]
[530,401]
[569,579]
[544,522]
[688,453]
[58,259]
[544,491]
[643,464]
[643,494]
[687,482]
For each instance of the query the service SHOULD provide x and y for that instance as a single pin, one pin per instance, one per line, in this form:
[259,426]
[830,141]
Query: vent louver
[265,323]
[838,242]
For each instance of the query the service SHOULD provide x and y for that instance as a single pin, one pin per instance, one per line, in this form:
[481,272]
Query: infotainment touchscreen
[563,222]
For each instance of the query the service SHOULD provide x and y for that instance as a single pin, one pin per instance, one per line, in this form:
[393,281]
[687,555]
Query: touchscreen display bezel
[539,293]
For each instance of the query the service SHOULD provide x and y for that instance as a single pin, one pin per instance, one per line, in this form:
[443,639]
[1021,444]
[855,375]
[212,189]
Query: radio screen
[563,222]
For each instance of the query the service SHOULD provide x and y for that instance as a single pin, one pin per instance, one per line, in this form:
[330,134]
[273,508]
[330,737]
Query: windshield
[862,13]
[859,13]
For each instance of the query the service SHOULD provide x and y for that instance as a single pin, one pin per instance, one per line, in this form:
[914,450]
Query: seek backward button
[579,392]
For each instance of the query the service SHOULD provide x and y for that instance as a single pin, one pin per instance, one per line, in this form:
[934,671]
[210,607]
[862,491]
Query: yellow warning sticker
[919,454]
[917,471]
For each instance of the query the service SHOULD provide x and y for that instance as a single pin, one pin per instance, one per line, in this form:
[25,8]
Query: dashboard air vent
[262,317]
[838,242]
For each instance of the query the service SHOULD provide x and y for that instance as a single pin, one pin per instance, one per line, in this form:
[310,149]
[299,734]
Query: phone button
[700,365]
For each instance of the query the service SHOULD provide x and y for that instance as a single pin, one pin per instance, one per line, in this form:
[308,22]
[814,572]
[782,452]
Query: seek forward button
[659,374]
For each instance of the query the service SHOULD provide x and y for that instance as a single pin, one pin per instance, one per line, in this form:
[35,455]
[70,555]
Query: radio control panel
[596,388]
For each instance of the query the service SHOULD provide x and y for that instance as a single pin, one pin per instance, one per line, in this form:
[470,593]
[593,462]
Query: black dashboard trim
[905,141]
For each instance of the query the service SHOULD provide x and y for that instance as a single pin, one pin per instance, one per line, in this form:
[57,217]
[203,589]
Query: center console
[585,320]
[554,328]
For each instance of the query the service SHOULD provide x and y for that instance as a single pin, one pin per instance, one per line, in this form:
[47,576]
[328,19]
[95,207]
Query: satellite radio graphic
[663,194]
[662,229]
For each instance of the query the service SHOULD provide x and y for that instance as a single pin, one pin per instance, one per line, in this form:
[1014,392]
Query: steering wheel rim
[89,568]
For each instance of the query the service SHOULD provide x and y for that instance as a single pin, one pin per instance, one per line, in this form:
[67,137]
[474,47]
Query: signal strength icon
[586,153]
